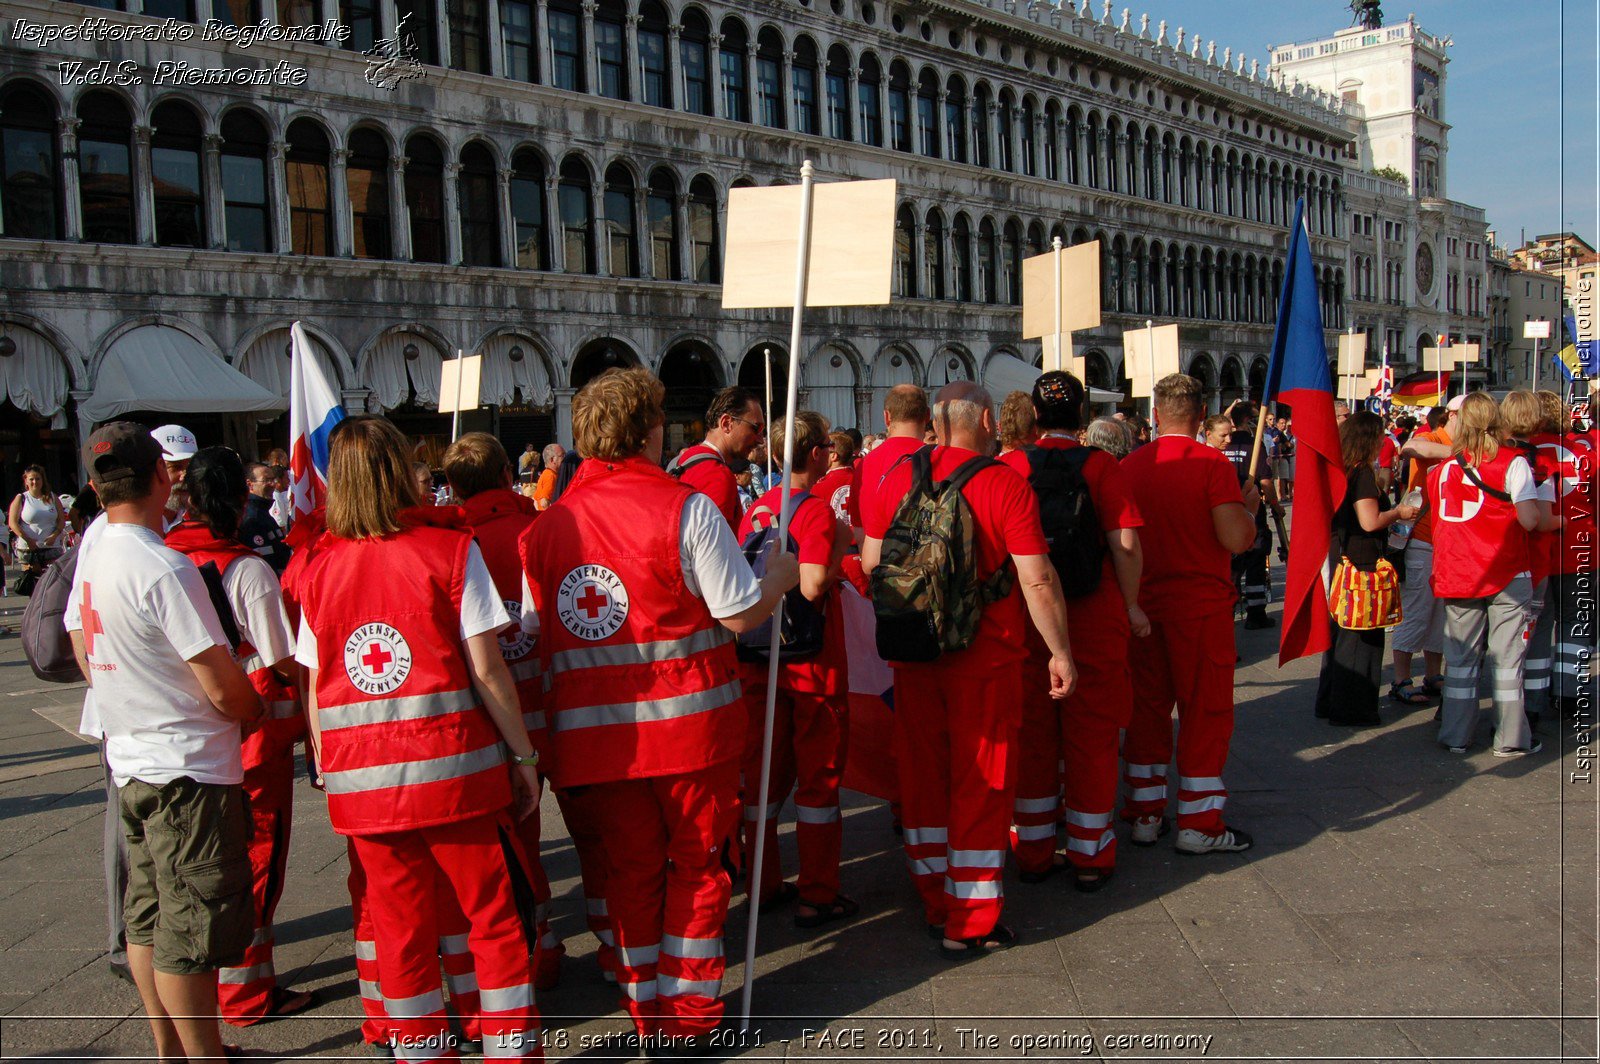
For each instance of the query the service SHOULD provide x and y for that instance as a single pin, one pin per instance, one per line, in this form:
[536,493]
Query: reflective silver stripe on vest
[366,950]
[1143,772]
[926,836]
[251,663]
[672,986]
[534,721]
[568,720]
[414,1008]
[1090,847]
[930,866]
[638,956]
[262,936]
[412,773]
[242,976]
[524,670]
[639,653]
[984,890]
[369,989]
[1088,821]
[454,944]
[645,991]
[1033,832]
[390,710]
[507,998]
[1035,805]
[462,984]
[691,948]
[816,814]
[977,858]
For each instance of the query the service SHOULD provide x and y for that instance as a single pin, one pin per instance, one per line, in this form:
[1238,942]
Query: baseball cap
[121,450]
[1455,404]
[177,443]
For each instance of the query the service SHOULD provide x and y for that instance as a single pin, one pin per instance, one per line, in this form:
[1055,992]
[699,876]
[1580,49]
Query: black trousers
[1352,671]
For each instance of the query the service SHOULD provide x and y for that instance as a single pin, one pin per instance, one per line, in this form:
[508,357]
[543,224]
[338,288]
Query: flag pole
[1535,363]
[802,266]
[766,360]
[1150,354]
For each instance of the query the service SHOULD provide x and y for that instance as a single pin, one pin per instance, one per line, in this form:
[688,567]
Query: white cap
[177,443]
[1455,404]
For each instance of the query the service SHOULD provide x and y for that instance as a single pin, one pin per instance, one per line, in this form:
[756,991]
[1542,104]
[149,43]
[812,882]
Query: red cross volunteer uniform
[627,575]
[703,468]
[415,771]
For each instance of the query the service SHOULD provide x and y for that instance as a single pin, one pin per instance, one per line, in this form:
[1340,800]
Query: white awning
[1005,374]
[156,367]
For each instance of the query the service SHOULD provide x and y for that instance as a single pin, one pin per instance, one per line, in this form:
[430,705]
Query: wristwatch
[532,760]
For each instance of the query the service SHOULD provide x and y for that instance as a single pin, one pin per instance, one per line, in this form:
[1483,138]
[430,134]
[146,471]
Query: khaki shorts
[188,894]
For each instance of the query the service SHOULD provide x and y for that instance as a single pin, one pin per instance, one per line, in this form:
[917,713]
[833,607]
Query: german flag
[1419,389]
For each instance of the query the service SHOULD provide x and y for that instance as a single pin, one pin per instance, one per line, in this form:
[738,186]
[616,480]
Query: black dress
[1352,670]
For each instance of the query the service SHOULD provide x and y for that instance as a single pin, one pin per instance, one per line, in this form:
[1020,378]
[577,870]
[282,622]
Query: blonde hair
[1018,426]
[476,463]
[1555,410]
[1179,397]
[1521,414]
[615,413]
[1477,432]
[810,430]
[369,478]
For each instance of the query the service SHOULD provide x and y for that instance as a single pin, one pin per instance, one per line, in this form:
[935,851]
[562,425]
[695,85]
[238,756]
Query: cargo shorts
[188,894]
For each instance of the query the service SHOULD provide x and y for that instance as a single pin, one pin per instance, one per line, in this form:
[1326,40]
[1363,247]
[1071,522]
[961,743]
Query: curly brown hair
[614,414]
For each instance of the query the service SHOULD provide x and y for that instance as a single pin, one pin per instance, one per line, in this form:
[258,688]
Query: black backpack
[800,635]
[1066,510]
[44,641]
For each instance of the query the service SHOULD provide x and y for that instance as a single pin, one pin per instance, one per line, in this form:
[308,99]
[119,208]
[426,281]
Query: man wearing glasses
[735,427]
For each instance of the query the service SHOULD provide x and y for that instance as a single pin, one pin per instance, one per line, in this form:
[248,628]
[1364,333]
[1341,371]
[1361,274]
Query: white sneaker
[1511,751]
[1147,829]
[1231,840]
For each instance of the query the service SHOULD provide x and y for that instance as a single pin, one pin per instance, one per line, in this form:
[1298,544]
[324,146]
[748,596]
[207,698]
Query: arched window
[367,177]
[577,217]
[1130,159]
[955,120]
[705,258]
[564,23]
[611,49]
[899,106]
[988,260]
[1113,135]
[807,111]
[1052,142]
[179,188]
[655,81]
[417,17]
[527,210]
[30,188]
[1030,153]
[1092,175]
[1074,174]
[735,93]
[310,216]
[621,245]
[982,102]
[661,216]
[469,35]
[1152,156]
[933,256]
[361,16]
[867,86]
[519,33]
[1036,244]
[694,58]
[425,198]
[246,218]
[961,248]
[1005,118]
[480,207]
[838,92]
[769,79]
[1011,263]
[928,114]
[905,274]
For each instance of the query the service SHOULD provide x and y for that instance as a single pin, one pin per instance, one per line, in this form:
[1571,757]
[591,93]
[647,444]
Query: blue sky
[1521,86]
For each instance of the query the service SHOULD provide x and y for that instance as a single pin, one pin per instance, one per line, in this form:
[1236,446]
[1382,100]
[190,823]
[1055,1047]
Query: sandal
[1000,938]
[287,1002]
[1089,880]
[784,895]
[1408,694]
[840,908]
[1058,862]
[1434,685]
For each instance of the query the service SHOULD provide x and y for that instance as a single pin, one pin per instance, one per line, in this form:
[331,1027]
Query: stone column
[644,245]
[397,208]
[1136,153]
[497,44]
[714,62]
[508,224]
[278,197]
[71,187]
[857,131]
[992,134]
[453,255]
[684,253]
[545,75]
[634,88]
[941,132]
[863,398]
[556,240]
[441,31]
[563,401]
[883,108]
[919,266]
[791,106]
[1039,145]
[591,54]
[1082,137]
[338,192]
[677,93]
[752,90]
[144,200]
[211,181]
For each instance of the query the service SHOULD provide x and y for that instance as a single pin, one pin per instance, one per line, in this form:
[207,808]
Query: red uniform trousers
[667,891]
[955,743]
[1190,662]
[809,737]
[551,950]
[401,867]
[590,844]
[1068,748]
[244,993]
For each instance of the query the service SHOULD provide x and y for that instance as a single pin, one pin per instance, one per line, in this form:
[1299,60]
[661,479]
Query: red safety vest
[641,680]
[498,518]
[1478,546]
[405,741]
[284,723]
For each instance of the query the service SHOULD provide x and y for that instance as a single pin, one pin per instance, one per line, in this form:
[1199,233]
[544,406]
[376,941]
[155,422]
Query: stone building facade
[547,185]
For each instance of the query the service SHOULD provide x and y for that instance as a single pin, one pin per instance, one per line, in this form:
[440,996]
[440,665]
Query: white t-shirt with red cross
[144,613]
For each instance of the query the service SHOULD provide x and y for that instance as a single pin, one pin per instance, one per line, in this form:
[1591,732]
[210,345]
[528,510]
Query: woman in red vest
[263,644]
[635,584]
[1485,504]
[414,710]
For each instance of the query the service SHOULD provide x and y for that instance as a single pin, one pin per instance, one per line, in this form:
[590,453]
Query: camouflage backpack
[925,589]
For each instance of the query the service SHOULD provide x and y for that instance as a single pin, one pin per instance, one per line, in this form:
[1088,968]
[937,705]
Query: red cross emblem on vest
[91,621]
[592,602]
[376,658]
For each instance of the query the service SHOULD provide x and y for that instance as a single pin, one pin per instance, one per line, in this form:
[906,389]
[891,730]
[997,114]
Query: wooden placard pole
[1060,353]
[1060,296]
[766,361]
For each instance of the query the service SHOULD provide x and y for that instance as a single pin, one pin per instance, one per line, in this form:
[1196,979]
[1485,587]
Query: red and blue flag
[314,409]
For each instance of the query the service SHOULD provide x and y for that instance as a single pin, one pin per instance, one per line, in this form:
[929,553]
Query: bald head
[963,416]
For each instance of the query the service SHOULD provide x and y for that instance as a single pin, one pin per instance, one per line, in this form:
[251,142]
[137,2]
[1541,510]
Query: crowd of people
[1049,590]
